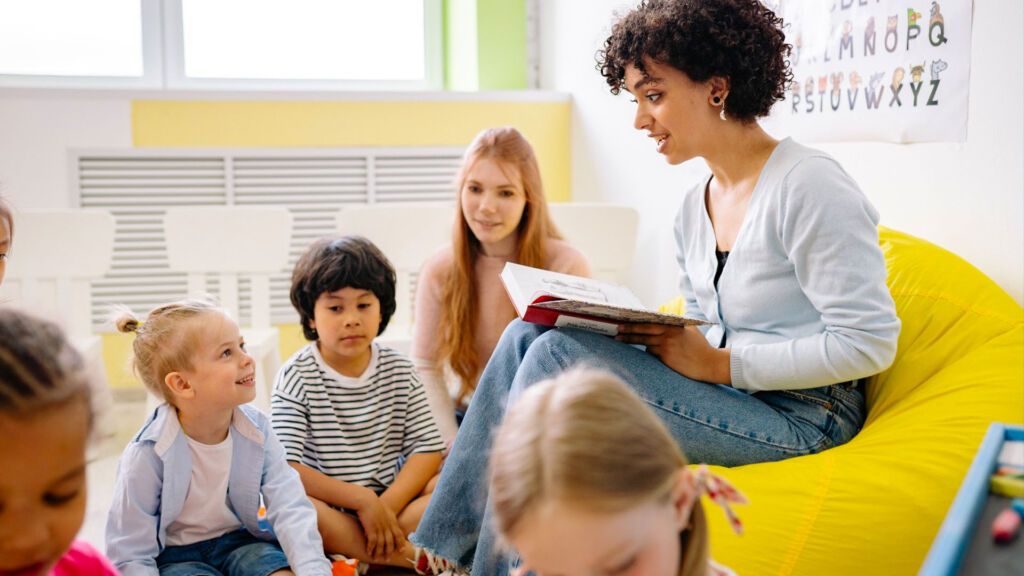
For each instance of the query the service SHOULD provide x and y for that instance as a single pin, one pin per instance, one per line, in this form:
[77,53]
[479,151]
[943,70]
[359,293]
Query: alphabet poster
[889,70]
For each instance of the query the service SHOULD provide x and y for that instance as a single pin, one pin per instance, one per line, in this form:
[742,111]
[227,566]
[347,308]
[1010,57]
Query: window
[310,44]
[222,44]
[110,43]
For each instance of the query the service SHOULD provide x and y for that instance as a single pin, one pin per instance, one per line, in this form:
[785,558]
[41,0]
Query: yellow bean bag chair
[874,505]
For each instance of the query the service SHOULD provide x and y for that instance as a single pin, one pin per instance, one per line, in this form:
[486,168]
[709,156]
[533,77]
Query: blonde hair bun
[127,322]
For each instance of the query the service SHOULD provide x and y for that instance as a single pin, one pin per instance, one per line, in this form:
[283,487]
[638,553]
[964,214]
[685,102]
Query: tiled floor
[127,415]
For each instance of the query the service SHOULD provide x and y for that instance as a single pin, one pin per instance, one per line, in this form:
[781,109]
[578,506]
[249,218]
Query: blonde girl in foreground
[586,480]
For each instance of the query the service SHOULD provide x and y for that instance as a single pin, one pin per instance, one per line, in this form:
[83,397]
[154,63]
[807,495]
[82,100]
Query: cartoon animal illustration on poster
[887,70]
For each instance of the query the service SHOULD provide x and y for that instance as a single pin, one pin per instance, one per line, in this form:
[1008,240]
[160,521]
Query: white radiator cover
[138,185]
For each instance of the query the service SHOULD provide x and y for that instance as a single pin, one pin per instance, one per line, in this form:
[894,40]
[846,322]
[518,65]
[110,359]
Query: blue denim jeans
[713,424]
[237,553]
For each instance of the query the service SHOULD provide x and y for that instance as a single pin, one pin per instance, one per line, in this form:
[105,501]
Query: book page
[533,283]
[606,328]
[514,293]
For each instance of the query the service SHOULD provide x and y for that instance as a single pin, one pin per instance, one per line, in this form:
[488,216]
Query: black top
[722,258]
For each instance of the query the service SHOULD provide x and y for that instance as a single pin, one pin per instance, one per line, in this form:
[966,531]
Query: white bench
[234,242]
[53,258]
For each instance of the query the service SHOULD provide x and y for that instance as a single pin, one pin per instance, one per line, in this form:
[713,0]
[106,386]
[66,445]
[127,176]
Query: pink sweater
[560,257]
[83,560]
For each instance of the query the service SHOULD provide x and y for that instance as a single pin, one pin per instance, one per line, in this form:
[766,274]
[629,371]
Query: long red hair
[507,147]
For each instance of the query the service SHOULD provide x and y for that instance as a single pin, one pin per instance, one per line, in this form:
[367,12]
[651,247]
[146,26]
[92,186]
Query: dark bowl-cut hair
[333,263]
[740,40]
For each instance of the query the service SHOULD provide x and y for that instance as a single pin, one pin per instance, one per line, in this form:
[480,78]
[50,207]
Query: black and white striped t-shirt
[356,430]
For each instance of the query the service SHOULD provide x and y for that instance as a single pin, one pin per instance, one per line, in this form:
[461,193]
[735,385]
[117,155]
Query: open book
[555,299]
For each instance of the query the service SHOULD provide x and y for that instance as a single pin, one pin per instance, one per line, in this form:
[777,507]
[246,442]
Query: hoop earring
[721,114]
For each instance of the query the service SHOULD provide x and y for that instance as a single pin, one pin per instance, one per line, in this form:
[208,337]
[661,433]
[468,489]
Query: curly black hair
[330,264]
[741,40]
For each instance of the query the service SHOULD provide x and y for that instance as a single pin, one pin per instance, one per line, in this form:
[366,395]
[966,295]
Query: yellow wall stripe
[167,123]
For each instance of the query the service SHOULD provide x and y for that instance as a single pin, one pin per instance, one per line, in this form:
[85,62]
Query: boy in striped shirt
[352,414]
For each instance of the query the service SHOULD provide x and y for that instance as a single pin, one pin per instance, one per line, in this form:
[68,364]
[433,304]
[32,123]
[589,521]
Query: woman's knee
[521,334]
[508,355]
[565,348]
[548,355]
[547,350]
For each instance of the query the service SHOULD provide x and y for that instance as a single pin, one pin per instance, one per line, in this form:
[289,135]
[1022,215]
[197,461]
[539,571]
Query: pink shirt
[560,256]
[83,560]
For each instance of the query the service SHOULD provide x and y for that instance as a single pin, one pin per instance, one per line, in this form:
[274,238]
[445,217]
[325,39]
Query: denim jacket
[153,478]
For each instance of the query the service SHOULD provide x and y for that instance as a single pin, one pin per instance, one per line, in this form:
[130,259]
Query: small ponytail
[126,321]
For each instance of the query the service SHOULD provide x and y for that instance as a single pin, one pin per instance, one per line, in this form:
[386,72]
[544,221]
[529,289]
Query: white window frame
[152,63]
[163,63]
[174,61]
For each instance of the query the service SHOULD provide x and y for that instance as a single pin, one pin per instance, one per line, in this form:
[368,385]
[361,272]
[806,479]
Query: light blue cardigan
[153,478]
[802,299]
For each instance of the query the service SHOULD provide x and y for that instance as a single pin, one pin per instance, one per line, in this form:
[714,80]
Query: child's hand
[383,534]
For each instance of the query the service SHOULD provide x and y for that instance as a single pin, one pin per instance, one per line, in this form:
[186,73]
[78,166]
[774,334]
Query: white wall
[968,198]
[36,131]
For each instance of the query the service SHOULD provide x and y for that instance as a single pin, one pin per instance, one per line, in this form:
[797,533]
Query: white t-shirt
[206,513]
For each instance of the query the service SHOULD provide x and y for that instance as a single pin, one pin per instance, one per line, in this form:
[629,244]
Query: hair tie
[721,492]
